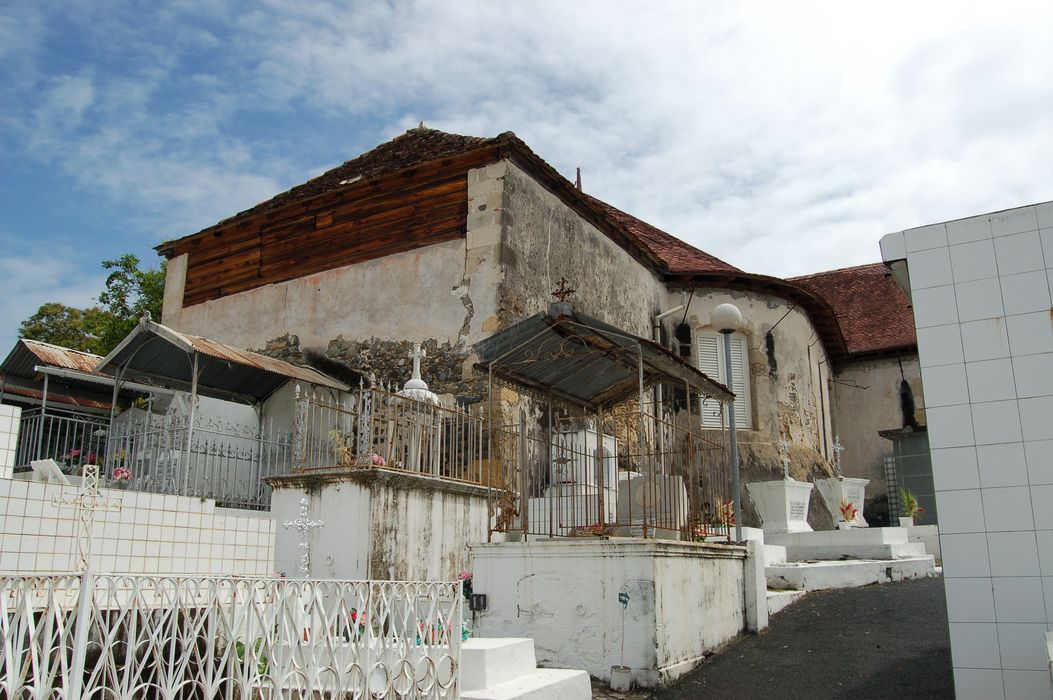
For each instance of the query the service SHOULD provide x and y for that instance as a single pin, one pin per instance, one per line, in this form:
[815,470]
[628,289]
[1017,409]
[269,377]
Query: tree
[130,292]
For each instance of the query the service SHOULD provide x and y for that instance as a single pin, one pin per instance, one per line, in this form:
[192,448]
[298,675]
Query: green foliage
[130,292]
[909,503]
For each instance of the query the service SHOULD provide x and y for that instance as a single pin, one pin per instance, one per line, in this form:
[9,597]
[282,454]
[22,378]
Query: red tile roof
[677,255]
[873,312]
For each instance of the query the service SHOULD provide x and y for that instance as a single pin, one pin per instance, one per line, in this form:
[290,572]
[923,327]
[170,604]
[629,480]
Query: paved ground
[886,641]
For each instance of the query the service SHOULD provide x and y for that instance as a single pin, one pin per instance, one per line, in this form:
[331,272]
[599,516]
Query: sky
[785,138]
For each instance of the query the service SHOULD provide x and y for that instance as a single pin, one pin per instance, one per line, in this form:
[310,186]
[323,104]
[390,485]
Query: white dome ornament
[416,388]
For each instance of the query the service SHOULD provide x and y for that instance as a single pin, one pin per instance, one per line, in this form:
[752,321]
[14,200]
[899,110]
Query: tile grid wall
[983,305]
[152,533]
[9,422]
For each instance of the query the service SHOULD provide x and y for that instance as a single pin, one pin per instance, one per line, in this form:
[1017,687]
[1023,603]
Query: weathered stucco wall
[544,240]
[564,594]
[380,525]
[866,400]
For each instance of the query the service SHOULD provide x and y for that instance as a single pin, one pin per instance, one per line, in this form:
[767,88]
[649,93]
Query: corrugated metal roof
[159,355]
[27,354]
[57,397]
[584,360]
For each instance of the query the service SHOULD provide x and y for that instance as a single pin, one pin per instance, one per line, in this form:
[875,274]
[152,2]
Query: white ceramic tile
[973,261]
[954,468]
[960,511]
[1012,553]
[929,268]
[924,237]
[1001,465]
[1033,375]
[974,644]
[950,426]
[977,683]
[1039,456]
[985,340]
[965,230]
[1045,214]
[1026,292]
[996,422]
[1036,418]
[1018,599]
[978,300]
[970,599]
[1021,252]
[1023,645]
[965,556]
[1030,333]
[940,345]
[1013,221]
[1044,540]
[1045,237]
[893,247]
[934,306]
[989,380]
[1026,685]
[1007,508]
[945,385]
[1041,495]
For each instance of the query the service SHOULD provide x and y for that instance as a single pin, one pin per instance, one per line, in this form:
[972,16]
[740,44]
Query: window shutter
[711,362]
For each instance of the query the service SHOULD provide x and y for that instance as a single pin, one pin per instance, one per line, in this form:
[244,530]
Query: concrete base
[928,535]
[816,576]
[855,543]
[905,550]
[777,600]
[506,669]
[782,505]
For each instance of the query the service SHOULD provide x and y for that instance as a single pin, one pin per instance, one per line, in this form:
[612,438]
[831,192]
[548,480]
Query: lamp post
[727,318]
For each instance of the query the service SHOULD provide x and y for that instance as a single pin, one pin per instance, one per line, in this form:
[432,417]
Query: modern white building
[984,313]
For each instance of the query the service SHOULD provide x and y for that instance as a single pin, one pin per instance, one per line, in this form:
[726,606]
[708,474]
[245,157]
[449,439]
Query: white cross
[838,449]
[417,354]
[304,525]
[784,449]
[87,502]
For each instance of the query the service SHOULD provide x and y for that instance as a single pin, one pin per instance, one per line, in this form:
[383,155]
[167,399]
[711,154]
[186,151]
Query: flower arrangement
[597,529]
[376,460]
[727,512]
[909,504]
[465,577]
[122,475]
[848,511]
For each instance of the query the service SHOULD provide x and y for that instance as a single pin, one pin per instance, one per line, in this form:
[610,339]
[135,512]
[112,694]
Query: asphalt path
[887,641]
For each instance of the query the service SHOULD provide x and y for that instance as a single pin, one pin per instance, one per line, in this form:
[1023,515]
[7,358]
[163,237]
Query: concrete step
[505,668]
[777,600]
[774,554]
[542,684]
[819,575]
[835,552]
[840,538]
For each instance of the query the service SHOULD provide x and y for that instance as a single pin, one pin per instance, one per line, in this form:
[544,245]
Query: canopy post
[43,417]
[190,423]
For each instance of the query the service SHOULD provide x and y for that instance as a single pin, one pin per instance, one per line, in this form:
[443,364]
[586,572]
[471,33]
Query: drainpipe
[656,336]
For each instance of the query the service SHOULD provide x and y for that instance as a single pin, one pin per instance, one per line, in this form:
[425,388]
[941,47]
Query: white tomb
[782,505]
[577,477]
[844,489]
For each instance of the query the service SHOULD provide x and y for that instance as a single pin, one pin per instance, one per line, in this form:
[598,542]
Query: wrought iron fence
[67,437]
[375,427]
[125,637]
[646,476]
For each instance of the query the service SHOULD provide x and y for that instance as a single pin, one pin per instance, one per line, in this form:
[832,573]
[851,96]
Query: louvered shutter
[711,362]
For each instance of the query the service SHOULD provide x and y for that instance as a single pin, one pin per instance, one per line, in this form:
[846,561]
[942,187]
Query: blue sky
[783,137]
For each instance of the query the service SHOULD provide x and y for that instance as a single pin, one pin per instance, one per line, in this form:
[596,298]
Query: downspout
[656,336]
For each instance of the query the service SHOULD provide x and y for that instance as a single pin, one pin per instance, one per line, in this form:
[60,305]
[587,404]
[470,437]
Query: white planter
[844,525]
[843,488]
[782,505]
[621,679]
[906,522]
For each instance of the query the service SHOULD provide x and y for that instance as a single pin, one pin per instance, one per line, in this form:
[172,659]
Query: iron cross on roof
[564,290]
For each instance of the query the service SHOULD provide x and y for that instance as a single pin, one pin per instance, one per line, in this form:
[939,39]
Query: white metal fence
[123,637]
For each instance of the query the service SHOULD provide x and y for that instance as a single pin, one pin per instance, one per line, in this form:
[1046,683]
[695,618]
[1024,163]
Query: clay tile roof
[873,312]
[415,146]
[677,255]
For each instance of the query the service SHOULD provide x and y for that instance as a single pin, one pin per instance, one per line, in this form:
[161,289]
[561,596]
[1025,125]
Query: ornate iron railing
[125,637]
[67,437]
[375,427]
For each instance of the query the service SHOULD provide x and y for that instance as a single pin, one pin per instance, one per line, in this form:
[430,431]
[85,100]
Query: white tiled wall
[981,289]
[9,421]
[151,533]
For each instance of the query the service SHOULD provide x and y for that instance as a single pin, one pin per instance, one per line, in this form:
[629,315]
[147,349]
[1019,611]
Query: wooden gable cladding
[416,207]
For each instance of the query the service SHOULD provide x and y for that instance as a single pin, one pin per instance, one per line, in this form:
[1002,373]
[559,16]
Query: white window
[711,362]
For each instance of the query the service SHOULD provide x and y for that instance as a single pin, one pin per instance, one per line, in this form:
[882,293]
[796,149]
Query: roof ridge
[59,347]
[835,270]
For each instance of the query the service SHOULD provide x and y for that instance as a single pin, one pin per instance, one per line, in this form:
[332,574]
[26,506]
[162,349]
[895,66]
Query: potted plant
[122,476]
[911,509]
[848,515]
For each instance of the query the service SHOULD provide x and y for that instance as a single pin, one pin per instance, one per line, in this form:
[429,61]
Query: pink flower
[378,461]
[465,576]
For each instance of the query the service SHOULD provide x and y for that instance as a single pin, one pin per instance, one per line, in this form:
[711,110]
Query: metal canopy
[585,361]
[159,355]
[23,359]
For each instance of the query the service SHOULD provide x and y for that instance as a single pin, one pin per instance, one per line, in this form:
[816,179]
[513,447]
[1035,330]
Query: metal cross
[304,525]
[87,502]
[838,449]
[563,291]
[416,355]
[784,449]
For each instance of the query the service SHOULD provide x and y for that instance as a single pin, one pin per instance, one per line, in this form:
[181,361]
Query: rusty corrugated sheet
[253,359]
[27,354]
